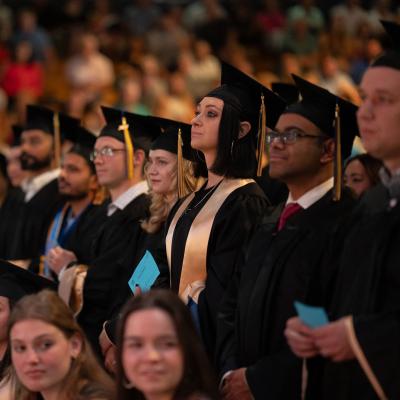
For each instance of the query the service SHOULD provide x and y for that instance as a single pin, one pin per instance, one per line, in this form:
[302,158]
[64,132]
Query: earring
[126,384]
[233,142]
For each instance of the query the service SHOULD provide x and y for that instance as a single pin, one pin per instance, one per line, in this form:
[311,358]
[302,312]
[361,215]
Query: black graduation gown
[233,224]
[10,220]
[276,191]
[38,213]
[367,287]
[275,271]
[119,231]
[155,244]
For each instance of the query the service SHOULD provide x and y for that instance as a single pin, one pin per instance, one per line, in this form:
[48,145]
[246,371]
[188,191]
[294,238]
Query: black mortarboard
[16,282]
[142,129]
[38,117]
[255,103]
[168,139]
[390,58]
[287,91]
[136,131]
[17,131]
[318,106]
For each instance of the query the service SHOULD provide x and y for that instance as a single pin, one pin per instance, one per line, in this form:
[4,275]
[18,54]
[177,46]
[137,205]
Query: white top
[34,185]
[125,198]
[313,195]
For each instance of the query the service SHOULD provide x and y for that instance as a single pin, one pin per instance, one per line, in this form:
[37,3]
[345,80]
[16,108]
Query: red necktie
[288,211]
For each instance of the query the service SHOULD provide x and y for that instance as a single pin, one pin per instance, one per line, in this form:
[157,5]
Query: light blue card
[145,273]
[312,316]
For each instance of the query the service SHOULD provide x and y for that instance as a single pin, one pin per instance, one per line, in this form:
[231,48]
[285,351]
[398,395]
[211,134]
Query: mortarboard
[136,131]
[258,105]
[16,282]
[390,58]
[175,138]
[288,91]
[333,115]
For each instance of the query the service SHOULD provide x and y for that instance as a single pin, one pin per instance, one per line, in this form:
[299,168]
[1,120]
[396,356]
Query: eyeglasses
[289,137]
[104,152]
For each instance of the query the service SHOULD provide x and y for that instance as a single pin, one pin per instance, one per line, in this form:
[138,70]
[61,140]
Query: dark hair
[371,166]
[85,379]
[236,158]
[197,378]
[84,152]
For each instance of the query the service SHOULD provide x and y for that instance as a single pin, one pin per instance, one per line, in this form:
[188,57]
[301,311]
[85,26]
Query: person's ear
[328,151]
[139,158]
[76,345]
[244,129]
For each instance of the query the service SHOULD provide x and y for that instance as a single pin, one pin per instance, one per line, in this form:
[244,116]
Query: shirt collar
[125,198]
[34,185]
[391,181]
[313,195]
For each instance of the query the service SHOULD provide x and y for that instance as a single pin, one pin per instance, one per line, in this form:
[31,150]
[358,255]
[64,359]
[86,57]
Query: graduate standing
[361,345]
[208,228]
[281,256]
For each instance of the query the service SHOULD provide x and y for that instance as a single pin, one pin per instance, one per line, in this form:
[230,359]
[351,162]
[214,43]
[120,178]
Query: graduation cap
[334,116]
[175,138]
[47,121]
[16,282]
[390,58]
[257,104]
[134,130]
[288,91]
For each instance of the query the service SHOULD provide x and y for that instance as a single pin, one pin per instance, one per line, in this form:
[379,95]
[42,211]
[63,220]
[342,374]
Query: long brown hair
[85,379]
[197,378]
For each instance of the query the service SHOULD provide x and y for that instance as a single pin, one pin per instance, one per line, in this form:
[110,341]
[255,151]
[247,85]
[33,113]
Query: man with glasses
[357,354]
[119,157]
[277,266]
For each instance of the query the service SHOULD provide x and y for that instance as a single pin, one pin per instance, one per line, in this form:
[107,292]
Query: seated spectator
[157,334]
[50,355]
[361,173]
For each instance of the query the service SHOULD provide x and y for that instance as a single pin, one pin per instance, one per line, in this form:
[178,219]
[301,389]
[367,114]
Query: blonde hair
[161,204]
[85,379]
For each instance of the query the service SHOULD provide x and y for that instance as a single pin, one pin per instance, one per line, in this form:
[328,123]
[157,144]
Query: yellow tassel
[181,173]
[57,140]
[337,186]
[129,147]
[262,131]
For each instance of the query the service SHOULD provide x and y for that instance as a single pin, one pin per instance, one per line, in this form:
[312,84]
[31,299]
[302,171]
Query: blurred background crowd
[158,57]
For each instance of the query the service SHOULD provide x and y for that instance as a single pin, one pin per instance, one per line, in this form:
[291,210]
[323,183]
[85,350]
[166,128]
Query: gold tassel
[57,139]
[129,147]
[337,186]
[262,131]
[181,173]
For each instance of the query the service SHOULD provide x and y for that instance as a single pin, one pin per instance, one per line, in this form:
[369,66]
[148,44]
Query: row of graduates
[236,262]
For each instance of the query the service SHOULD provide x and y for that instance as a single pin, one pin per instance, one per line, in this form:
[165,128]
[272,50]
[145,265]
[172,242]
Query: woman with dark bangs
[208,229]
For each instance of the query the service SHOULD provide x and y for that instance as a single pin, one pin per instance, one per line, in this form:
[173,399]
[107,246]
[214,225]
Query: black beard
[74,197]
[31,163]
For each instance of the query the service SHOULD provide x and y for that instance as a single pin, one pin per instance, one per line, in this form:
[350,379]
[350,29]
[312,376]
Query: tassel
[181,173]
[57,139]
[129,147]
[100,196]
[262,131]
[337,186]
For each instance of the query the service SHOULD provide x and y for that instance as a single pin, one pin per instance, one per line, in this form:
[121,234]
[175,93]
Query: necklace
[208,194]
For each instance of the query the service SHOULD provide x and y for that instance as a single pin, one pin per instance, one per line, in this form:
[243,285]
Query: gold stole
[194,269]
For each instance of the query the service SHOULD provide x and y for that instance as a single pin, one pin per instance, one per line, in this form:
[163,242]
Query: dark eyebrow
[209,106]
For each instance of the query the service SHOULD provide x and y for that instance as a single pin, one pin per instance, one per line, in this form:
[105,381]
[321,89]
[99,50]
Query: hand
[333,342]
[105,342]
[58,258]
[300,338]
[138,291]
[110,360]
[235,386]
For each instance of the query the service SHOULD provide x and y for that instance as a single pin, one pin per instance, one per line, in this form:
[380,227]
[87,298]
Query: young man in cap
[119,156]
[361,347]
[276,267]
[38,151]
[72,229]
